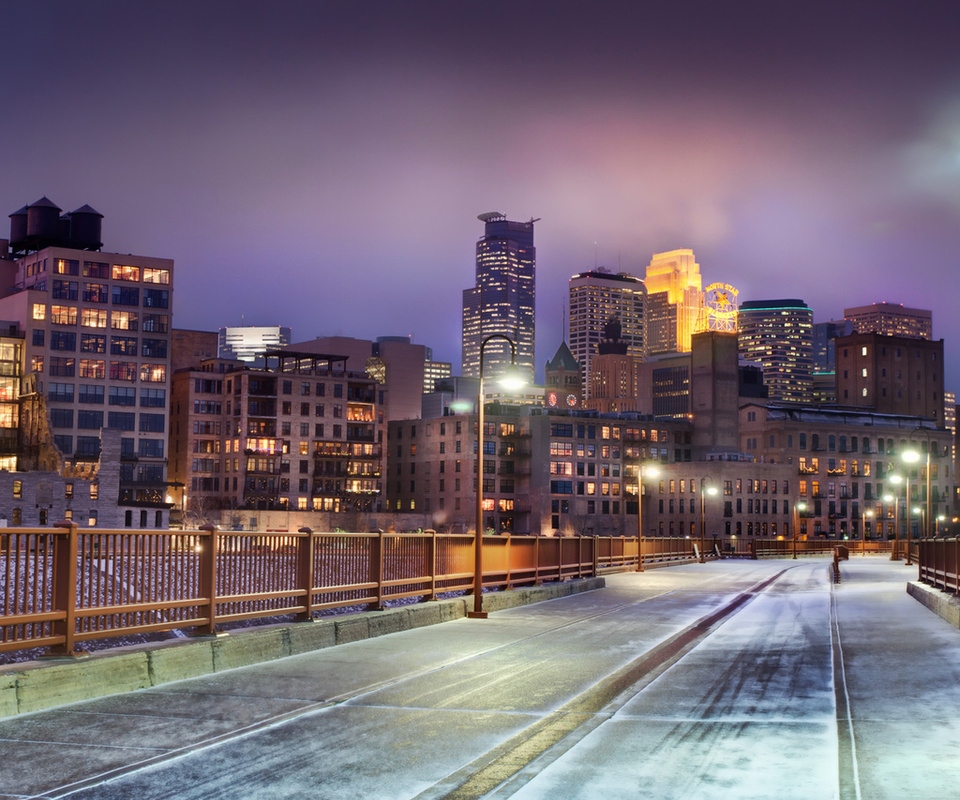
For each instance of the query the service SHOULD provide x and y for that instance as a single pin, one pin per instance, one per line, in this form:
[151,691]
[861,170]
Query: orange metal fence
[64,586]
[939,563]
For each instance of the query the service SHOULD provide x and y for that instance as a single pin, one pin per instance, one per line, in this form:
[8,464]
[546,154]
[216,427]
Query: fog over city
[321,165]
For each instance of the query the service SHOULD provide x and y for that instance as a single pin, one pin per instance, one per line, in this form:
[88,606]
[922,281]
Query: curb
[943,604]
[38,685]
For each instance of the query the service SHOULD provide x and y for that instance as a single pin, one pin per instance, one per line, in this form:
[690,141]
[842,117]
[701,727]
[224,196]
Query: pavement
[731,679]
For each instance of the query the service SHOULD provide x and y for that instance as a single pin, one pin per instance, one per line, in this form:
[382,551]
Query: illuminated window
[93,318]
[123,273]
[17,490]
[63,315]
[66,266]
[153,373]
[36,363]
[152,275]
[39,311]
[302,503]
[92,368]
[124,320]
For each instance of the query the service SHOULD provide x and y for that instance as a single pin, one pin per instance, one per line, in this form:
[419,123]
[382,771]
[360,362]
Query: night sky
[321,164]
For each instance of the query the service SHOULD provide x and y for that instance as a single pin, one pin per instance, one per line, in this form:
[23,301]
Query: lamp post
[867,514]
[797,508]
[652,471]
[510,381]
[912,456]
[940,518]
[895,550]
[704,491]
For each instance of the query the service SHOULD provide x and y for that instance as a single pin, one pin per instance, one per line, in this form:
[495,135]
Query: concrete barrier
[36,685]
[943,604]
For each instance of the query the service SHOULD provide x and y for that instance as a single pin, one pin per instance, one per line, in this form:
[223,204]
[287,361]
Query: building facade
[96,348]
[502,302]
[891,319]
[550,473]
[595,298]
[778,335]
[304,434]
[891,374]
[843,462]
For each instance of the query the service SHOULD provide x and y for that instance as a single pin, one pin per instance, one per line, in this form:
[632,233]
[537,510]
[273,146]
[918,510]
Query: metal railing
[62,586]
[939,563]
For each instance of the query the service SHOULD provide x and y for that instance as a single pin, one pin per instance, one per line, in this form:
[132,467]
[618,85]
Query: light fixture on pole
[797,508]
[652,471]
[704,491]
[895,550]
[511,381]
[940,518]
[867,514]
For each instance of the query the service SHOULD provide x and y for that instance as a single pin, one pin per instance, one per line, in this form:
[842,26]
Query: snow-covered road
[732,679]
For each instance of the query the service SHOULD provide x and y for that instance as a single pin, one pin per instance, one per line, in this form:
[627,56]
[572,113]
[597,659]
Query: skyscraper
[503,299]
[596,298]
[674,301]
[778,334]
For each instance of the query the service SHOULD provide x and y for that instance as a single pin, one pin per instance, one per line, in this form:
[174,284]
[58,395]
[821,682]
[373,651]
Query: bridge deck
[727,679]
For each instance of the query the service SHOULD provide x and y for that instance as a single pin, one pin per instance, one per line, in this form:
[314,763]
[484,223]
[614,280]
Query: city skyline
[310,144]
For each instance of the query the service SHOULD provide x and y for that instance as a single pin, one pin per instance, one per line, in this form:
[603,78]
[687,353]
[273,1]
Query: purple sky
[321,164]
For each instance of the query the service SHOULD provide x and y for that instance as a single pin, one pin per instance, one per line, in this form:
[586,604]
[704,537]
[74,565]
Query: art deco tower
[502,302]
[674,300]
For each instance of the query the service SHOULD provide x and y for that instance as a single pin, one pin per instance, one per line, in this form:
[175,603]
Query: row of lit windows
[68,491]
[102,270]
[93,368]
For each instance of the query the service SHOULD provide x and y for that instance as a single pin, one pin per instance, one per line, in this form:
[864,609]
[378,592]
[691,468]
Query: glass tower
[502,302]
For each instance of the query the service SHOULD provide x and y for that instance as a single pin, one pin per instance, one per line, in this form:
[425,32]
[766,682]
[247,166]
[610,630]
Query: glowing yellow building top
[675,297]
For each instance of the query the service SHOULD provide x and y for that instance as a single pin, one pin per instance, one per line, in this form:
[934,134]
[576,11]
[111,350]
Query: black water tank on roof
[18,225]
[43,219]
[85,224]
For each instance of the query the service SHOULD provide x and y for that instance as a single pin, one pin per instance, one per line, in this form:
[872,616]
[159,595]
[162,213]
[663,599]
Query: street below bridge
[730,679]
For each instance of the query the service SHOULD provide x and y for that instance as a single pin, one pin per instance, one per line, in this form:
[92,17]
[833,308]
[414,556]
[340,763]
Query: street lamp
[912,456]
[652,471]
[895,550]
[511,381]
[797,508]
[940,518]
[867,514]
[709,490]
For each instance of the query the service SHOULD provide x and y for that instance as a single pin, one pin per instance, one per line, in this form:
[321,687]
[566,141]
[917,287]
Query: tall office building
[503,299]
[96,348]
[891,319]
[674,301]
[596,298]
[778,335]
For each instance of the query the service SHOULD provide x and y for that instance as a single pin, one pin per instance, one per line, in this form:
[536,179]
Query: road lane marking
[847,766]
[500,764]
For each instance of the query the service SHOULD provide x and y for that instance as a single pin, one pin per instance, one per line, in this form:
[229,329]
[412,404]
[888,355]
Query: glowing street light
[797,508]
[511,380]
[709,490]
[652,471]
[895,550]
